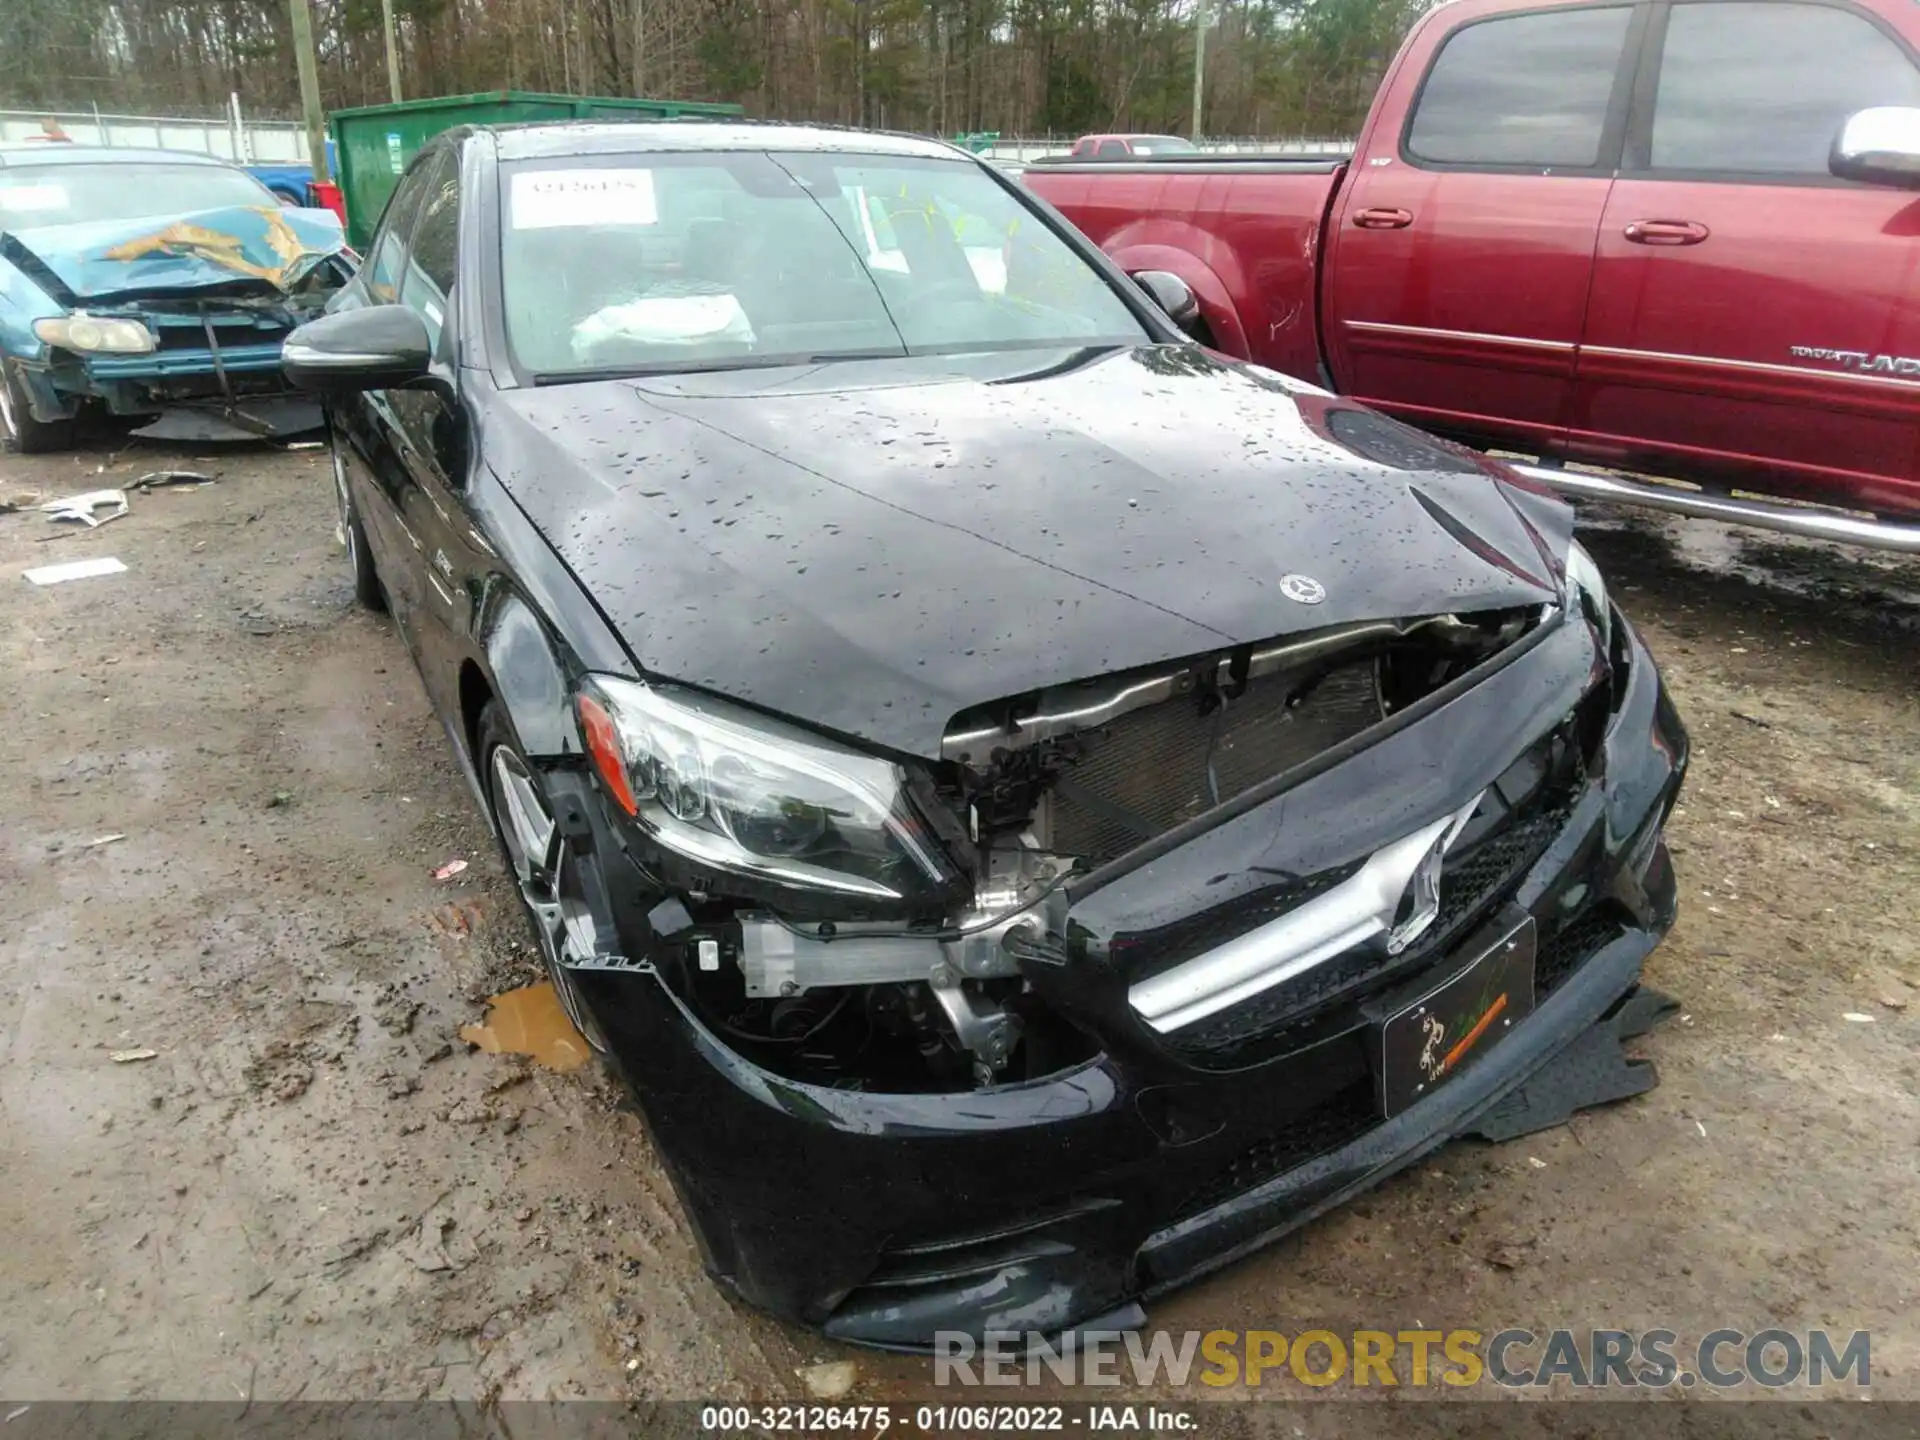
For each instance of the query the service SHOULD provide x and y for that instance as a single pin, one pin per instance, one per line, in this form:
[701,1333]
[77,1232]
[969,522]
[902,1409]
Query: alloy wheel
[343,526]
[540,862]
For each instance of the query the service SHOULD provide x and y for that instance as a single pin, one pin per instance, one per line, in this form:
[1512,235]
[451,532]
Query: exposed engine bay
[1031,794]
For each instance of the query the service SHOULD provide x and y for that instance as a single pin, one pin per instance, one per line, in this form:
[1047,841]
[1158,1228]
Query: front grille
[1149,770]
[1574,941]
[1471,885]
[1343,1116]
[1195,935]
[175,337]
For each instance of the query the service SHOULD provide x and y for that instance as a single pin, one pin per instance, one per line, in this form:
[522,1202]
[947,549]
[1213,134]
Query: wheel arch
[523,672]
[1209,287]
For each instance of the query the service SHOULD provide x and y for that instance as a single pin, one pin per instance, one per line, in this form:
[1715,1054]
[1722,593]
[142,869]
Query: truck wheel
[20,432]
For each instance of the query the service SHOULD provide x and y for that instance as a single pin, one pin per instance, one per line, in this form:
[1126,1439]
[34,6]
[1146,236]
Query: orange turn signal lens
[603,745]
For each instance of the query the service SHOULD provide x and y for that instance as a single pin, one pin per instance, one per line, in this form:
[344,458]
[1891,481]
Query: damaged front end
[1090,1002]
[179,322]
[897,961]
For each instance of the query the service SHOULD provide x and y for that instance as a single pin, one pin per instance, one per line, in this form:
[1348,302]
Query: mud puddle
[1882,588]
[529,1021]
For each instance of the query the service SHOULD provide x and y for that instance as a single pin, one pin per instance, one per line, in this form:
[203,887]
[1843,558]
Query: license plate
[1427,1040]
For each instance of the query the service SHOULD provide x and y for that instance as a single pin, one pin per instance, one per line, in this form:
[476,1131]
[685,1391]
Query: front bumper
[884,1218]
[142,384]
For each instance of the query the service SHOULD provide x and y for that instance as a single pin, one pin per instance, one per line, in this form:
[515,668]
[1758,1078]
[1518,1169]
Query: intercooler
[1147,771]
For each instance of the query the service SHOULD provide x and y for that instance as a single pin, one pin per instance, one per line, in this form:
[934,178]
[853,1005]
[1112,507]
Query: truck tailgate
[1244,234]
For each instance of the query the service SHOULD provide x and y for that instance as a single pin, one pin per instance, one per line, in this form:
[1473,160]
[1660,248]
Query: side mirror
[1880,146]
[378,347]
[1170,293]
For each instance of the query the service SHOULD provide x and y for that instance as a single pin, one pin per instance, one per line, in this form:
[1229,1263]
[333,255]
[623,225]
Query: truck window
[1527,90]
[1765,87]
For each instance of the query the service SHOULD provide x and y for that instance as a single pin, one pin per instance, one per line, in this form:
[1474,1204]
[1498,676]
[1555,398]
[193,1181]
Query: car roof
[64,153]
[565,137]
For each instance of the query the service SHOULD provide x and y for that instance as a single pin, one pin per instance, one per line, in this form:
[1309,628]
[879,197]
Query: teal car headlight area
[96,335]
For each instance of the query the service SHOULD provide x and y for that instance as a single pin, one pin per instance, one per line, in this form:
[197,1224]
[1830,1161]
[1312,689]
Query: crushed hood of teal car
[239,249]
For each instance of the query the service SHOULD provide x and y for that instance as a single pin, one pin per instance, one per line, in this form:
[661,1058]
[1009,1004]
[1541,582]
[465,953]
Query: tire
[20,432]
[514,791]
[367,588]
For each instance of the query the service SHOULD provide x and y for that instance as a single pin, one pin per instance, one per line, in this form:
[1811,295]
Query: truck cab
[1612,232]
[1625,232]
[1129,147]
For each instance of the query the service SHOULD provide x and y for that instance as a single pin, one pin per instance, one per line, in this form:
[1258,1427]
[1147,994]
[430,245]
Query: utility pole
[1199,62]
[393,51]
[309,88]
[639,85]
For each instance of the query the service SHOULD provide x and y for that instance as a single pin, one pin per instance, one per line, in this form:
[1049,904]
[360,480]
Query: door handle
[1382,219]
[1666,232]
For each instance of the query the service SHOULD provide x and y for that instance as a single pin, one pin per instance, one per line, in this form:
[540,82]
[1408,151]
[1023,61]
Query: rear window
[1528,90]
[1163,145]
[36,195]
[710,260]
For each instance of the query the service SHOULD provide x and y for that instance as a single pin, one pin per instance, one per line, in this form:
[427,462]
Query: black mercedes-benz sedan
[1033,809]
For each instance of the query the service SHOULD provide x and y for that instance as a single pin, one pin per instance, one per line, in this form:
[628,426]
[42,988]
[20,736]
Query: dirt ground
[247,1154]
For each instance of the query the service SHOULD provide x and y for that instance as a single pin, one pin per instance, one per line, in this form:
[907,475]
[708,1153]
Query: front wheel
[20,432]
[350,533]
[543,868]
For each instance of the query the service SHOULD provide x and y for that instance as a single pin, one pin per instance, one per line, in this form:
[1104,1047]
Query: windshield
[1163,145]
[35,195]
[705,261]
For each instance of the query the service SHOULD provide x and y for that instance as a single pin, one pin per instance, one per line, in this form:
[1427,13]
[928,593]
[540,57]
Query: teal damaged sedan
[156,286]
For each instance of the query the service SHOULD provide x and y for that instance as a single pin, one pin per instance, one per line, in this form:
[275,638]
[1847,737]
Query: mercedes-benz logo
[1303,588]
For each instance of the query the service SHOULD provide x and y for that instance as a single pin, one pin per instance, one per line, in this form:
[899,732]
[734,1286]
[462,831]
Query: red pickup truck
[1660,236]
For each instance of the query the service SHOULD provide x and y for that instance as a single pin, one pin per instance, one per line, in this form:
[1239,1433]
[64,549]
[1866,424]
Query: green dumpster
[374,143]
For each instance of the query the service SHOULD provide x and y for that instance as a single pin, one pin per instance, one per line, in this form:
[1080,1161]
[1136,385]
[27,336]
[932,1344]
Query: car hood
[264,250]
[873,547]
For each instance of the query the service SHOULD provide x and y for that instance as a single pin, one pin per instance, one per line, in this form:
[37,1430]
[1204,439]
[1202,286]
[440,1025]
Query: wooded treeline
[1031,67]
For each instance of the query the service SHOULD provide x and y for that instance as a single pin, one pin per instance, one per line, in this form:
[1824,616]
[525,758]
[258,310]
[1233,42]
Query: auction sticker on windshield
[552,199]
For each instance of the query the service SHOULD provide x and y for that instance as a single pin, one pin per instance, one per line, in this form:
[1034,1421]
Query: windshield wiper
[716,365]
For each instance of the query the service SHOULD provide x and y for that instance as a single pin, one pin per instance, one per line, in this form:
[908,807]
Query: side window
[387,261]
[430,275]
[1529,90]
[1765,87]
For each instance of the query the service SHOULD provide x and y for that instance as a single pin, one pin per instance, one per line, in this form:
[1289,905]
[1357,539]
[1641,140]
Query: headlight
[96,335]
[743,793]
[1584,583]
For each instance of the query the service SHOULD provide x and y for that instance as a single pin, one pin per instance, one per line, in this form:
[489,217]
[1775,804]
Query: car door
[1741,295]
[433,447]
[365,426]
[1461,254]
